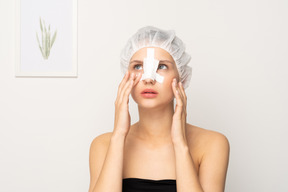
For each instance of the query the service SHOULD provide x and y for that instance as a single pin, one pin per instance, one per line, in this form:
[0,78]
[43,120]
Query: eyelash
[158,65]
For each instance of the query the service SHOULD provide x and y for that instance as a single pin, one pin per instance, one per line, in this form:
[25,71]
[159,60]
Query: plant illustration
[47,41]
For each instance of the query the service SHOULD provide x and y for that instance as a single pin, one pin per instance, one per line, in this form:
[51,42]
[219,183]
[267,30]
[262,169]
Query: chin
[152,103]
[148,105]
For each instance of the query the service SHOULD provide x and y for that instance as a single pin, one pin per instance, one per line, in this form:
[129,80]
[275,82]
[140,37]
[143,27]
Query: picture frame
[46,38]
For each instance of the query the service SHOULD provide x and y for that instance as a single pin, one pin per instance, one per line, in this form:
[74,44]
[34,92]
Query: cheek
[169,75]
[168,80]
[167,87]
[167,93]
[135,93]
[167,83]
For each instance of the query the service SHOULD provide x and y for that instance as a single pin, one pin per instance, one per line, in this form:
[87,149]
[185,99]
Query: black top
[148,185]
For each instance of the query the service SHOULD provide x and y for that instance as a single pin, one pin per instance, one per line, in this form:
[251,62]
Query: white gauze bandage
[150,66]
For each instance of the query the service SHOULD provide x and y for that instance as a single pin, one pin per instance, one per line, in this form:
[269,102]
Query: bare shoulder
[213,149]
[205,140]
[98,148]
[205,135]
[102,139]
[97,154]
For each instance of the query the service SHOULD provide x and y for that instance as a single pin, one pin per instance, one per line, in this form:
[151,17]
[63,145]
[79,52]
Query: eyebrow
[137,61]
[161,61]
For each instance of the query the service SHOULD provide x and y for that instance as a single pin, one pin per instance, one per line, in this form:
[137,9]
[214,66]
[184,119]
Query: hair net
[166,39]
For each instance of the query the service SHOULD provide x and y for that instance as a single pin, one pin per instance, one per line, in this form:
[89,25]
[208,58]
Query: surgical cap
[150,36]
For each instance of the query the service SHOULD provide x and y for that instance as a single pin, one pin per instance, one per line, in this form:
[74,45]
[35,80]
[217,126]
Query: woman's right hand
[122,116]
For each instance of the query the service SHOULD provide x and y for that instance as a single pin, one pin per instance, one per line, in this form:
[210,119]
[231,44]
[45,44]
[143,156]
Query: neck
[155,124]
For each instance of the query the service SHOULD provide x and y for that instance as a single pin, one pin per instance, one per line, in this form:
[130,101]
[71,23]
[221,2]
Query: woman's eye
[137,66]
[160,66]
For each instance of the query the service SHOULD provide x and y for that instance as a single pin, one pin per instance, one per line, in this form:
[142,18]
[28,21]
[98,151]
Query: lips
[151,91]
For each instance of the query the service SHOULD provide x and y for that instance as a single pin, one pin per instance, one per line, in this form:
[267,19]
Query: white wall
[239,88]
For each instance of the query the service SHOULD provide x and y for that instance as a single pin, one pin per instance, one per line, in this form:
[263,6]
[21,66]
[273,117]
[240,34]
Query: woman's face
[166,68]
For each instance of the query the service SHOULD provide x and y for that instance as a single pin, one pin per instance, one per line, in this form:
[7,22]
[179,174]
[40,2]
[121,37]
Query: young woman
[161,152]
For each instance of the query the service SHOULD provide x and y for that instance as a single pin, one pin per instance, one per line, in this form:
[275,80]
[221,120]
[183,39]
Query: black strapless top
[148,185]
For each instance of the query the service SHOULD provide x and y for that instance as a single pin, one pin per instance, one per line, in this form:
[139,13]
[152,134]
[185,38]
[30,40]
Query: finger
[137,78]
[134,80]
[126,86]
[125,79]
[180,92]
[183,92]
[179,102]
[183,95]
[128,91]
[122,83]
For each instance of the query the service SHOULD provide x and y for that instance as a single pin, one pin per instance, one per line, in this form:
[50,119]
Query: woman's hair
[150,36]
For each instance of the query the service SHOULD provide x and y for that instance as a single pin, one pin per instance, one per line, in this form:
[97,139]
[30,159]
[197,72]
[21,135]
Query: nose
[149,80]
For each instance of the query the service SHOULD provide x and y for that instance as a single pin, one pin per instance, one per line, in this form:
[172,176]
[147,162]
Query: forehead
[159,54]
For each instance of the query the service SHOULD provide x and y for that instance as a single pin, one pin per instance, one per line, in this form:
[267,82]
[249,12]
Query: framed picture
[46,38]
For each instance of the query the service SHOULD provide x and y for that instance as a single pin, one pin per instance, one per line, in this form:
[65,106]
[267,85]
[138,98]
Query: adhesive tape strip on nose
[150,66]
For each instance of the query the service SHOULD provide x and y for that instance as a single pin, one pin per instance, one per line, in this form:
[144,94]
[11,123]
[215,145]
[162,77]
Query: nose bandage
[150,66]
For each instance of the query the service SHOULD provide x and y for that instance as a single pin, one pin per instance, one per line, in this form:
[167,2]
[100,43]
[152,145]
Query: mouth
[149,91]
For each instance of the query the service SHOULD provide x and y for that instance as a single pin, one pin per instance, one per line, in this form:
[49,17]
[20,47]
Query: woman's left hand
[178,129]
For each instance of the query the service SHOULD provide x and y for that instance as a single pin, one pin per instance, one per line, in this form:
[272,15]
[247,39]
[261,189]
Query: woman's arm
[214,162]
[186,175]
[213,166]
[109,177]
